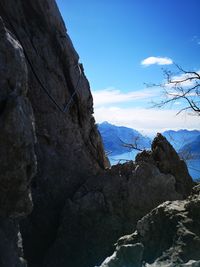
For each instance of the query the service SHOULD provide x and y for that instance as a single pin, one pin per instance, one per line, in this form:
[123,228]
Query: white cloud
[112,96]
[108,107]
[148,121]
[156,60]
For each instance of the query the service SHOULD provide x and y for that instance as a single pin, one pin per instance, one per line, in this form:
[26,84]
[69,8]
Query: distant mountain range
[116,137]
[180,138]
[191,150]
[186,143]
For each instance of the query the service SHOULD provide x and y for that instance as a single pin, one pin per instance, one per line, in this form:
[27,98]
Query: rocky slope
[168,236]
[79,208]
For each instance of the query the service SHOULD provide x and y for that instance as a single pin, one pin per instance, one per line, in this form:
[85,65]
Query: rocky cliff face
[68,148]
[80,209]
[17,136]
[17,139]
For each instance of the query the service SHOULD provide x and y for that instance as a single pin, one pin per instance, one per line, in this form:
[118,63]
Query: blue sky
[114,37]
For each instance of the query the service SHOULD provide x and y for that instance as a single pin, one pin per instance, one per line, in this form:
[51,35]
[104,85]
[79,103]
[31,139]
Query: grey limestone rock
[170,235]
[69,148]
[17,140]
[104,208]
[126,255]
[17,157]
[164,156]
[168,161]
[10,253]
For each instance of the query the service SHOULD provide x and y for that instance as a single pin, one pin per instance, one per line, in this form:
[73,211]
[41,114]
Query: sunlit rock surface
[168,236]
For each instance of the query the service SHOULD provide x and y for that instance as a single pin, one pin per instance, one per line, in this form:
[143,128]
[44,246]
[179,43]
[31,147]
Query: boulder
[169,236]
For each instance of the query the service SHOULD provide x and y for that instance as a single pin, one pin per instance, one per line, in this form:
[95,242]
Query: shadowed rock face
[164,156]
[17,129]
[112,203]
[168,236]
[68,148]
[17,139]
[168,161]
[80,209]
[105,207]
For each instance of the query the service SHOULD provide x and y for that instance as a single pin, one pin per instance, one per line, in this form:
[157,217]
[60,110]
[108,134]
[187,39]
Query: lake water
[121,158]
[193,165]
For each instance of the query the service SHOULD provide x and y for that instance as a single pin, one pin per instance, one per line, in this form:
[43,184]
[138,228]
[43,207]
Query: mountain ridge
[115,138]
[181,137]
[191,150]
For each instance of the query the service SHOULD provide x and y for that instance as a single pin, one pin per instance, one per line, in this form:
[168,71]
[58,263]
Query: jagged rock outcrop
[80,209]
[105,207]
[112,203]
[164,156]
[168,161]
[168,236]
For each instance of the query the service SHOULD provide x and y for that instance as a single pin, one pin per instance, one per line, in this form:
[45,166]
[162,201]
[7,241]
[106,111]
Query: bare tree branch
[132,146]
[183,86]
